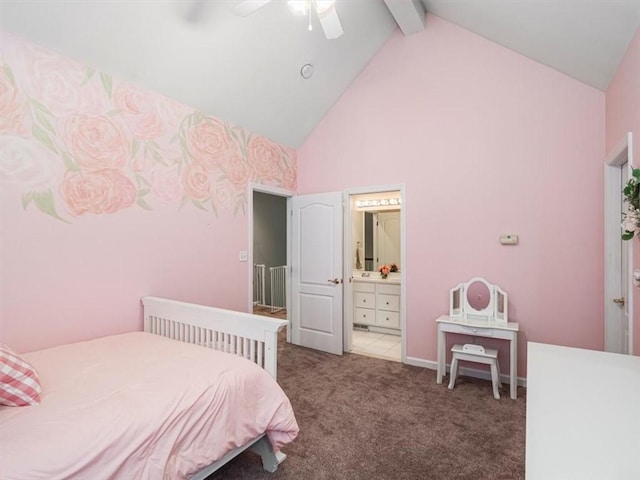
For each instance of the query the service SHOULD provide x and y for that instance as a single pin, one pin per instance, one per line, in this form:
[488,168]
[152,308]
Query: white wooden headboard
[251,336]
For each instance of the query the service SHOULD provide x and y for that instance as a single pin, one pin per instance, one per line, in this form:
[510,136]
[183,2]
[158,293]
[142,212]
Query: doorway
[312,267]
[269,257]
[375,306]
[618,301]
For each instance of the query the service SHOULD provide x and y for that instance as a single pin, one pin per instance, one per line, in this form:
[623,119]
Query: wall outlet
[243,255]
[509,239]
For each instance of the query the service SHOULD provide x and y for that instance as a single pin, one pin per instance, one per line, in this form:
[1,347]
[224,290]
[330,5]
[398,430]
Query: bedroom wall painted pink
[622,116]
[487,142]
[111,192]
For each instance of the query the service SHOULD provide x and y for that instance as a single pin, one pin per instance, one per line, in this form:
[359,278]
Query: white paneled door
[618,254]
[316,271]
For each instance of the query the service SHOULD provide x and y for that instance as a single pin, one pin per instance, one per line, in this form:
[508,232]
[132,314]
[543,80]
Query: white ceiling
[247,70]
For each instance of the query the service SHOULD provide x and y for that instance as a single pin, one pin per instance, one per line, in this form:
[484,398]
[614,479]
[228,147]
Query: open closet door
[316,271]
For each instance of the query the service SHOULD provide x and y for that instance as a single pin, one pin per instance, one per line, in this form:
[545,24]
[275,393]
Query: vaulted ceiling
[246,70]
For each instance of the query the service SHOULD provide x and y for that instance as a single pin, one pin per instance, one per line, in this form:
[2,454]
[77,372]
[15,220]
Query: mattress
[138,405]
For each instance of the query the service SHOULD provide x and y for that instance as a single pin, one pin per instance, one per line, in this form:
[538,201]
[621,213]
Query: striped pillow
[19,383]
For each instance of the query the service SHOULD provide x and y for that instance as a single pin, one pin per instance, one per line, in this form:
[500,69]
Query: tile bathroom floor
[374,344]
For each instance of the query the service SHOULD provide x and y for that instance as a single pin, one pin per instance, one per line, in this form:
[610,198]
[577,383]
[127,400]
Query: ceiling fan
[324,9]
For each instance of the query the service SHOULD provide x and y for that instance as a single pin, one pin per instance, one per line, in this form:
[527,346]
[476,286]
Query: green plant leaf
[142,181]
[135,146]
[198,204]
[239,206]
[26,199]
[88,74]
[157,157]
[9,73]
[69,162]
[43,137]
[40,107]
[635,172]
[627,235]
[46,204]
[44,121]
[213,207]
[143,192]
[107,82]
[141,203]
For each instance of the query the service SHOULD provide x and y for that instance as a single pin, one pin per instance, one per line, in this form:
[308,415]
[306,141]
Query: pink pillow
[19,382]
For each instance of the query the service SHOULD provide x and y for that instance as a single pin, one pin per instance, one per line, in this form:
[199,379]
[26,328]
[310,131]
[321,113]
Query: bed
[153,404]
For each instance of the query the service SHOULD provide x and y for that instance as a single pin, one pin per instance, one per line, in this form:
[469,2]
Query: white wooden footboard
[251,336]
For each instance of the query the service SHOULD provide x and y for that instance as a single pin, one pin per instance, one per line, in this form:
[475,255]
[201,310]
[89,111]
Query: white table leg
[441,355]
[513,380]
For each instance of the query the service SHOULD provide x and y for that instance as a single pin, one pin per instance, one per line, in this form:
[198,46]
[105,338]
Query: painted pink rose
[265,156]
[173,112]
[210,145]
[289,179]
[239,172]
[166,185]
[96,142]
[13,107]
[103,191]
[61,84]
[25,162]
[196,183]
[140,111]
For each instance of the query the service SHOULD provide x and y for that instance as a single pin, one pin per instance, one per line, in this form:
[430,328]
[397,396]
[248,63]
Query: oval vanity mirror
[478,295]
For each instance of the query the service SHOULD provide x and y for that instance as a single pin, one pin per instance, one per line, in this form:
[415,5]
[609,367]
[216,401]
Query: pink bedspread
[139,406]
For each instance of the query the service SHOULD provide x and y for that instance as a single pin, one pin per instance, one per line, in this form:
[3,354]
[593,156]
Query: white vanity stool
[476,353]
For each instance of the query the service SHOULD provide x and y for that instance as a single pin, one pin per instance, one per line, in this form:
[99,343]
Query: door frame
[348,267]
[279,192]
[621,153]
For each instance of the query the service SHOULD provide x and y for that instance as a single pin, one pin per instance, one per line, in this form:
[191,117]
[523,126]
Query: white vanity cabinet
[377,304]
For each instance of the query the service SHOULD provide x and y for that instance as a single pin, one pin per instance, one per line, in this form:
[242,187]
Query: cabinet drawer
[388,302]
[363,287]
[365,300]
[388,319]
[389,289]
[364,315]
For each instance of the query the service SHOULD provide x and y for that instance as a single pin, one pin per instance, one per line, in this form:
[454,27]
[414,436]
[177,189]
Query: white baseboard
[469,372]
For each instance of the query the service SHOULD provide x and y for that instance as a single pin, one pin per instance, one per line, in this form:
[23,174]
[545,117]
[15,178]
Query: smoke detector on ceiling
[306,71]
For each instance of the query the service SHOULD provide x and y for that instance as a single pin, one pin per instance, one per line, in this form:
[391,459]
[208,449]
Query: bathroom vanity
[376,302]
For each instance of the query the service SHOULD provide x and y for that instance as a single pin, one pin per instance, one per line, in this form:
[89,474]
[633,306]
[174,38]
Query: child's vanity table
[479,309]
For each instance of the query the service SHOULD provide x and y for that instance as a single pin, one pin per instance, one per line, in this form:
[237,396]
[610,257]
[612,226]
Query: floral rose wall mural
[78,142]
[110,192]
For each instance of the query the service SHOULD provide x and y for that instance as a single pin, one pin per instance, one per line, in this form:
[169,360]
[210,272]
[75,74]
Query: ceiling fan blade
[247,7]
[329,21]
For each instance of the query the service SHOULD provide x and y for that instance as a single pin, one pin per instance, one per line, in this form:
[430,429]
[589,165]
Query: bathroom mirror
[376,236]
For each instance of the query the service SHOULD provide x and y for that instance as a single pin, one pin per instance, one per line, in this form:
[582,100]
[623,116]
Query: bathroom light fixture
[383,202]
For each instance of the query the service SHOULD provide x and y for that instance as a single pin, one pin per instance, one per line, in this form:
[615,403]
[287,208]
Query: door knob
[335,281]
[619,301]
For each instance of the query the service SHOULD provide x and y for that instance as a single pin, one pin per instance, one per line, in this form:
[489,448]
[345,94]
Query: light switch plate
[509,239]
[244,256]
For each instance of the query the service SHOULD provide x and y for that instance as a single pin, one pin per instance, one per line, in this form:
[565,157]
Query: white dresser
[583,420]
[377,305]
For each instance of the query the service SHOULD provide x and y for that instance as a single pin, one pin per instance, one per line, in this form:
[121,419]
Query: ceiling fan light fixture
[324,5]
[299,7]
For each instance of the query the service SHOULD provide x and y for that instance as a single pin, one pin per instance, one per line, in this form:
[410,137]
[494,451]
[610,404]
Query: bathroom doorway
[375,300]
